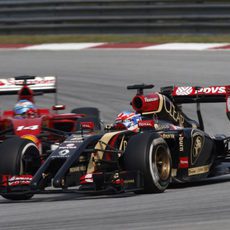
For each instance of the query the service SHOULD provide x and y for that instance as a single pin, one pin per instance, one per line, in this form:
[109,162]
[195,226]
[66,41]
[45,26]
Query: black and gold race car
[168,146]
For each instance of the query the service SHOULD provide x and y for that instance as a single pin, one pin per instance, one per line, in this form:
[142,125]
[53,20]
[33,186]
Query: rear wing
[195,94]
[11,86]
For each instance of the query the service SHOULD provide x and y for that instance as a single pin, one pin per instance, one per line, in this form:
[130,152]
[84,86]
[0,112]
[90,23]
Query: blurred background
[116,17]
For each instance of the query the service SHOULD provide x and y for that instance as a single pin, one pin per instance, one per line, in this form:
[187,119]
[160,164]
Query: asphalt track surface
[99,78]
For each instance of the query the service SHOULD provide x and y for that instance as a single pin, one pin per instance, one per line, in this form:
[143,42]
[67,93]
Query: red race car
[28,134]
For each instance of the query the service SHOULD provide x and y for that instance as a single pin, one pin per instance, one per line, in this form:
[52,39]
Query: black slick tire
[18,157]
[149,154]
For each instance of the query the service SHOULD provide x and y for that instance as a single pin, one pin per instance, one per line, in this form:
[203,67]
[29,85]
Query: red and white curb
[109,46]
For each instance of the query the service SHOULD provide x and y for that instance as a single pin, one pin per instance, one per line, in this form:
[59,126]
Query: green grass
[37,39]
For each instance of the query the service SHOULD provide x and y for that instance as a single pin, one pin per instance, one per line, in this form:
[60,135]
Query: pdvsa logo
[184,90]
[212,90]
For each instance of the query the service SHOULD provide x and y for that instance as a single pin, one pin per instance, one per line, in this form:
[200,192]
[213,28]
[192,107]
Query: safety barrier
[114,16]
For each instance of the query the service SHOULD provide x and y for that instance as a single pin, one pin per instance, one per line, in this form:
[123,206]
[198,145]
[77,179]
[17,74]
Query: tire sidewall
[153,174]
[12,151]
[140,152]
[22,152]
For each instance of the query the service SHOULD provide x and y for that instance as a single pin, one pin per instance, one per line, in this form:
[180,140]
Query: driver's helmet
[129,120]
[24,108]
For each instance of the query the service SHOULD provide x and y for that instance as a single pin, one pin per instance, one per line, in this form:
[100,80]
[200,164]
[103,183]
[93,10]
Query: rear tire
[18,157]
[149,154]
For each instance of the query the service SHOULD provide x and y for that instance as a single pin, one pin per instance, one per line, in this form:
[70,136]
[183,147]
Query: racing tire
[88,111]
[17,157]
[149,154]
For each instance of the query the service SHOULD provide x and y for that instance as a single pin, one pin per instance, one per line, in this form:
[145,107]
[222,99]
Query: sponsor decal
[146,123]
[188,90]
[17,180]
[130,181]
[183,162]
[162,126]
[36,81]
[31,127]
[168,136]
[63,152]
[198,170]
[87,125]
[181,142]
[82,159]
[81,168]
[77,138]
[150,99]
[147,104]
[174,172]
[69,142]
[184,91]
[11,84]
[67,147]
[197,146]
[155,107]
[174,114]
[212,90]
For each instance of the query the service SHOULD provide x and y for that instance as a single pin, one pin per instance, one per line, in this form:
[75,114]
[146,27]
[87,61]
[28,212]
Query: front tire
[18,157]
[149,154]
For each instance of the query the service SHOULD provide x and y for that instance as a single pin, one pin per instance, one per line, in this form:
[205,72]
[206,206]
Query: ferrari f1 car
[168,147]
[28,139]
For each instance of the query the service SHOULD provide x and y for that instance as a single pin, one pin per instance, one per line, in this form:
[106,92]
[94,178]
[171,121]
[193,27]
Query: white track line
[62,46]
[184,46]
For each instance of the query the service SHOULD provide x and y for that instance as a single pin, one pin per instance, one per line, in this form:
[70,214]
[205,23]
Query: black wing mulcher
[168,147]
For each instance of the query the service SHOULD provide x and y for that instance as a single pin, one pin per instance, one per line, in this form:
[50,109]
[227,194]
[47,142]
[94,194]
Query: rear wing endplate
[11,86]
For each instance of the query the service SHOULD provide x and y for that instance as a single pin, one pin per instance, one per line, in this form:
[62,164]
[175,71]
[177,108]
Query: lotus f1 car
[168,147]
[27,141]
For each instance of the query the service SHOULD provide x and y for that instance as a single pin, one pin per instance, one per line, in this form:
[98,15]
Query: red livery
[29,135]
